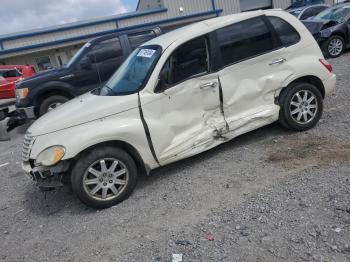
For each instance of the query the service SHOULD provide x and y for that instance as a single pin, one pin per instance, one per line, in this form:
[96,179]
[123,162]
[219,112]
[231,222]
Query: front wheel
[104,177]
[301,107]
[334,46]
[51,103]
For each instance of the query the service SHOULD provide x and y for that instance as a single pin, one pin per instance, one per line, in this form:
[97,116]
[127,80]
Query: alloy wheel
[335,47]
[105,179]
[303,107]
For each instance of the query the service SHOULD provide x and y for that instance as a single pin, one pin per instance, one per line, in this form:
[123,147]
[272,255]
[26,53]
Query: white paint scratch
[2,165]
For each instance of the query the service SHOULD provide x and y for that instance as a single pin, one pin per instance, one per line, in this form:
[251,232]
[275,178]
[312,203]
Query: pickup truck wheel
[302,107]
[334,46]
[51,103]
[104,177]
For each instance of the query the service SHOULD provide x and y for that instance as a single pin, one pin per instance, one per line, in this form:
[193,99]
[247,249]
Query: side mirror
[86,64]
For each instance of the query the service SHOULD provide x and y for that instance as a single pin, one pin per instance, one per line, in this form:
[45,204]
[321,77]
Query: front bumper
[46,177]
[20,117]
[27,112]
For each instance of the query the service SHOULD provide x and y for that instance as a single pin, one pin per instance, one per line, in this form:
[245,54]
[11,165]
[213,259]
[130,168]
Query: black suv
[91,67]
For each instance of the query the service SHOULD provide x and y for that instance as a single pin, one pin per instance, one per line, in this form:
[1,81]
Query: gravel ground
[270,195]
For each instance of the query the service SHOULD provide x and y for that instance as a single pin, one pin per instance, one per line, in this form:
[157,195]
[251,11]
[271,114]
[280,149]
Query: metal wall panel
[188,7]
[141,20]
[331,2]
[27,41]
[150,4]
[228,6]
[281,3]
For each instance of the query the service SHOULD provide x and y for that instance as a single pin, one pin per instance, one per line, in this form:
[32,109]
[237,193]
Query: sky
[22,15]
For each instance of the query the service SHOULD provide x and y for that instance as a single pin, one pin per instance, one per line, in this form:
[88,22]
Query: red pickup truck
[9,75]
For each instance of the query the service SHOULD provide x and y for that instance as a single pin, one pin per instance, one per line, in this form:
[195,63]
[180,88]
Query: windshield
[133,73]
[296,13]
[334,14]
[77,55]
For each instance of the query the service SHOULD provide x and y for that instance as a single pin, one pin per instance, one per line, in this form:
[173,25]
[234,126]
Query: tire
[301,107]
[283,122]
[52,102]
[338,44]
[95,189]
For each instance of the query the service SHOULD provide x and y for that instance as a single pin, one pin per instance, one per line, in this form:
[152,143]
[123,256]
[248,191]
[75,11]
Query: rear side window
[287,33]
[189,60]
[244,40]
[140,38]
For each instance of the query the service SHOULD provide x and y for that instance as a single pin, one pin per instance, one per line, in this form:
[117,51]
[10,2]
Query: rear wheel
[301,107]
[334,46]
[52,103]
[104,177]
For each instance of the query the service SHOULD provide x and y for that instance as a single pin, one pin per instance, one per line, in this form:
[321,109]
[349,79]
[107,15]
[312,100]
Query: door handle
[278,61]
[208,85]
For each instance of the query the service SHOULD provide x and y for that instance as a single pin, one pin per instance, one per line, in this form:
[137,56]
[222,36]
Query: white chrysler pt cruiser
[178,95]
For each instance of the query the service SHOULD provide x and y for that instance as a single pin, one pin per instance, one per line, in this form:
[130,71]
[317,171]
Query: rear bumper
[330,84]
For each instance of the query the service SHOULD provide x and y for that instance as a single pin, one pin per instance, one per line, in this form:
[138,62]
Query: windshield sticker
[148,53]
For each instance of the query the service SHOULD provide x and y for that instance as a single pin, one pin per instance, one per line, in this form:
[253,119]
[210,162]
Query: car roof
[206,26]
[307,6]
[123,32]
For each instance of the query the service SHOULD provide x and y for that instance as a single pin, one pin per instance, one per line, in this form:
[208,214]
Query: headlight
[22,93]
[51,156]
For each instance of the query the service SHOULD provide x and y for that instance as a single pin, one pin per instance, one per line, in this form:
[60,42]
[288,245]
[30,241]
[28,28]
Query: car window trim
[207,41]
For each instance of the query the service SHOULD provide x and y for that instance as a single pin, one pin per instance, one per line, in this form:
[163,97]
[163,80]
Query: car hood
[41,76]
[80,110]
[315,26]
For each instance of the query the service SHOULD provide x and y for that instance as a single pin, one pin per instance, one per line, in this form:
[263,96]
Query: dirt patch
[301,152]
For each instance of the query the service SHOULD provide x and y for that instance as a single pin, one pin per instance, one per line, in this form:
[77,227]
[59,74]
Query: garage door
[248,5]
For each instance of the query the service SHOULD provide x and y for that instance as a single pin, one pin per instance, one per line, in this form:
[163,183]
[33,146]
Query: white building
[54,46]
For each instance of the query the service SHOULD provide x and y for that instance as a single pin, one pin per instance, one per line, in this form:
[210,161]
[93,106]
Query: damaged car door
[254,66]
[186,117]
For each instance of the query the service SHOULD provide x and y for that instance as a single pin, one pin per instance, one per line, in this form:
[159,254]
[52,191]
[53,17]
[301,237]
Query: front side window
[244,40]
[133,74]
[189,60]
[287,33]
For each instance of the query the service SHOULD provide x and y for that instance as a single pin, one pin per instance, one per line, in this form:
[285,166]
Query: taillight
[327,65]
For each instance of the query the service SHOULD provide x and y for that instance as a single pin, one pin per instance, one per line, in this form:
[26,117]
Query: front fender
[52,86]
[125,127]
